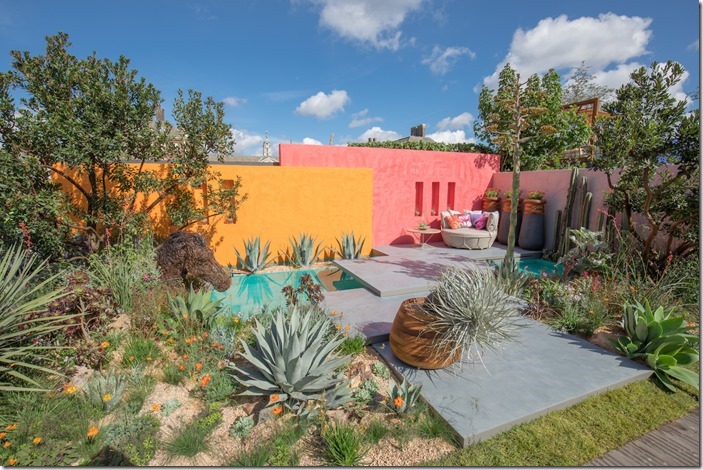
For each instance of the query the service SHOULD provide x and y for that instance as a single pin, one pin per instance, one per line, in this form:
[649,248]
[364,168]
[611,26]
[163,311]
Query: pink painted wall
[395,174]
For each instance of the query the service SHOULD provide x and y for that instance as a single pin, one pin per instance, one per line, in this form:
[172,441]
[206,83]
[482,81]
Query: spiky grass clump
[343,444]
[471,311]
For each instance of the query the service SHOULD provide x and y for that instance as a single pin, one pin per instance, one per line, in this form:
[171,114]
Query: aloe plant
[350,247]
[22,292]
[662,340]
[303,251]
[255,259]
[198,305]
[293,363]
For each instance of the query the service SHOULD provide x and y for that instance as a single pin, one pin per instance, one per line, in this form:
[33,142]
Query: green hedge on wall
[420,145]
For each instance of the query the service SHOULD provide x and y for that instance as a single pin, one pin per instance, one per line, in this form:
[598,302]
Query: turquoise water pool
[249,293]
[538,266]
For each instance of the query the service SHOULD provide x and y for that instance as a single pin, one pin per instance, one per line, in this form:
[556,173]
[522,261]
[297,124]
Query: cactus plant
[565,219]
[293,363]
[350,247]
[303,251]
[255,259]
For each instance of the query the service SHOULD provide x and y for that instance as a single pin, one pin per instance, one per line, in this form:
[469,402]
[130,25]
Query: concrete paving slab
[409,269]
[542,372]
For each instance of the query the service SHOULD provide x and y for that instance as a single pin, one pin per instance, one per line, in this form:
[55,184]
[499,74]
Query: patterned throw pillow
[481,223]
[464,220]
[475,217]
[452,221]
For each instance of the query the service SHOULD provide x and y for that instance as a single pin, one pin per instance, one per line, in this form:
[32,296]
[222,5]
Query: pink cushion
[464,220]
[481,223]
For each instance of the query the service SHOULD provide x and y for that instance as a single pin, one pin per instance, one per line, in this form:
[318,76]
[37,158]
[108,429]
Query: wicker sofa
[471,238]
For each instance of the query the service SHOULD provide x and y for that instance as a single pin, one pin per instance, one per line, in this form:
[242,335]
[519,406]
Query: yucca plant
[105,389]
[293,363]
[255,259]
[199,306]
[22,292]
[303,252]
[349,247]
[664,341]
[471,311]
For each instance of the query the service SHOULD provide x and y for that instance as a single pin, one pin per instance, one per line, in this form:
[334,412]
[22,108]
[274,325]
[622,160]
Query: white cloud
[311,141]
[441,60]
[324,106]
[456,122]
[560,43]
[246,143]
[379,134]
[367,21]
[451,137]
[694,46]
[362,118]
[234,101]
[620,75]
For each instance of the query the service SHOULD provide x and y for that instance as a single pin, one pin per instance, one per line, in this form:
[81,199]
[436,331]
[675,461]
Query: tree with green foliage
[571,128]
[91,122]
[582,86]
[648,128]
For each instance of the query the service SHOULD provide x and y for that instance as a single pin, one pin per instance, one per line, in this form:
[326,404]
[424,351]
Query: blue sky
[304,69]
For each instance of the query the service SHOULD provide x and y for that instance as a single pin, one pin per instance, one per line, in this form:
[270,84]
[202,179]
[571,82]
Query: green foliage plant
[170,405]
[343,444]
[292,360]
[374,431]
[350,247]
[259,456]
[139,351]
[379,369]
[255,259]
[242,427]
[198,307]
[513,280]
[303,252]
[471,311]
[664,341]
[105,389]
[648,127]
[491,192]
[306,290]
[403,397]
[425,145]
[133,435]
[591,253]
[582,86]
[353,345]
[220,388]
[22,292]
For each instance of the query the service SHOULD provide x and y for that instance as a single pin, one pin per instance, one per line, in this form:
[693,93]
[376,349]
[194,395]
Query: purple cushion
[481,222]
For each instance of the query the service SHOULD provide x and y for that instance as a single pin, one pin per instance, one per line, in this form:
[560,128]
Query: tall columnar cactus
[565,218]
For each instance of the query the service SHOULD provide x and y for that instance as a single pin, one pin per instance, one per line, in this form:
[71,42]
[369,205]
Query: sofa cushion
[452,222]
[444,215]
[464,220]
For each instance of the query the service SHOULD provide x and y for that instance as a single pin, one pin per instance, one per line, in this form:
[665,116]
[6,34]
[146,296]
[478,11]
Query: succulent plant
[423,226]
[380,369]
[199,305]
[293,363]
[255,259]
[303,251]
[403,397]
[350,247]
[662,340]
[105,389]
[170,405]
[491,192]
[242,427]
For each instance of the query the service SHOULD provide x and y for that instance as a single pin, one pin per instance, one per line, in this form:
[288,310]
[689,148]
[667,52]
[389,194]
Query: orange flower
[92,432]
[398,402]
[205,380]
[181,367]
[273,398]
[236,319]
[2,435]
[148,358]
[188,341]
[337,326]
[198,366]
[185,315]
[185,356]
[131,358]
[11,427]
[205,335]
[104,344]
[36,440]
[6,444]
[277,410]
[215,345]
[69,389]
[12,461]
[156,407]
[346,327]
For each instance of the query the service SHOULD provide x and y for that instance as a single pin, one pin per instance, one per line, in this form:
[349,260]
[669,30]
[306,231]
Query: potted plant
[423,226]
[467,311]
[532,229]
[504,220]
[491,200]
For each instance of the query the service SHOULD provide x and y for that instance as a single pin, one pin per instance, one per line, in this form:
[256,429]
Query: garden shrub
[343,444]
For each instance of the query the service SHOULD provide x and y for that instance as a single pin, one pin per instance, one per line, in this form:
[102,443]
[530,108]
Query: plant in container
[423,226]
[467,311]
[491,201]
[532,229]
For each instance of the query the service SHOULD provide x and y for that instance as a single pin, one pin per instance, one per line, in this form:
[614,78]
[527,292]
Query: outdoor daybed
[471,238]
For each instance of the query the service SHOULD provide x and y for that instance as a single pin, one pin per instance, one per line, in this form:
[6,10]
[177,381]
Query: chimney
[159,113]
[372,139]
[418,131]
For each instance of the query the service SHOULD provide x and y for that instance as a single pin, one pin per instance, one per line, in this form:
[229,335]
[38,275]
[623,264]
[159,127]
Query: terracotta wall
[285,201]
[397,175]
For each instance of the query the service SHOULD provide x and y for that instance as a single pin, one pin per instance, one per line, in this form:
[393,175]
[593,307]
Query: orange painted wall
[286,201]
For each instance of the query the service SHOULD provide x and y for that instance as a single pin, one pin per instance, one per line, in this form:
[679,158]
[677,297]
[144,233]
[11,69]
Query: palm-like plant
[255,259]
[471,310]
[21,293]
[303,251]
[350,247]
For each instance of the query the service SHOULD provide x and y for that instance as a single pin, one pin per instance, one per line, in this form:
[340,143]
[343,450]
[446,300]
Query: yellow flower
[107,397]
[92,432]
[398,402]
[69,389]
[148,358]
[12,461]
[104,344]
[185,315]
[36,440]
[6,444]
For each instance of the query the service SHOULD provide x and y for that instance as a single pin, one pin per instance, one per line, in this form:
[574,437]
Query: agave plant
[199,305]
[662,340]
[255,259]
[303,251]
[293,363]
[22,292]
[349,247]
[471,311]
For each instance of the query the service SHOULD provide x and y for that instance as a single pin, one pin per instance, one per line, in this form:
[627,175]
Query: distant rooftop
[417,134]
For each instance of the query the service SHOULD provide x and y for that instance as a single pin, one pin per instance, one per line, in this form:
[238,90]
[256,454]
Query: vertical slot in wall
[228,184]
[435,198]
[418,198]
[451,189]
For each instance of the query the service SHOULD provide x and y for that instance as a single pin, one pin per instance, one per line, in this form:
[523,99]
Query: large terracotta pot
[532,230]
[491,204]
[411,342]
[504,221]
